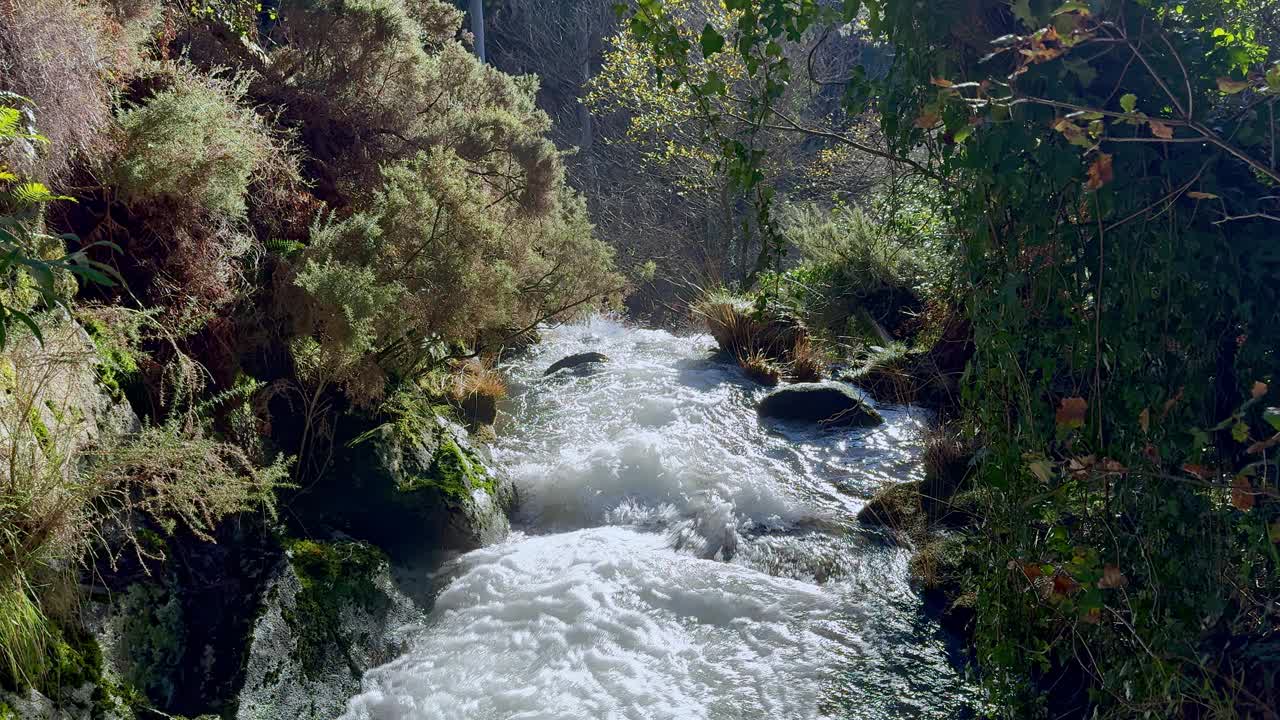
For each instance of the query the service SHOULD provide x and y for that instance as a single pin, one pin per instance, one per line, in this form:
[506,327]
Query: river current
[674,556]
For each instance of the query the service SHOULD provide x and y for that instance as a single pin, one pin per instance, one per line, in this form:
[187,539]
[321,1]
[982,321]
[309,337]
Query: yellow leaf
[1160,130]
[1241,493]
[1100,172]
[1231,87]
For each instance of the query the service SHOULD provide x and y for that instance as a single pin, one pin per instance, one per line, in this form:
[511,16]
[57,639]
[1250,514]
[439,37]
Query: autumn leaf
[1160,130]
[1071,412]
[1100,172]
[927,120]
[1231,87]
[1112,578]
[941,82]
[1259,389]
[1031,570]
[1197,195]
[1064,584]
[1144,420]
[1241,493]
[1199,471]
[1093,616]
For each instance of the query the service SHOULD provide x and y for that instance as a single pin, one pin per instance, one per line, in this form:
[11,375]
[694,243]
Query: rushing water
[675,557]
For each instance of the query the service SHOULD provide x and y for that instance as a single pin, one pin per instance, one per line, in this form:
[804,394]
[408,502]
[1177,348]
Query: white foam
[609,623]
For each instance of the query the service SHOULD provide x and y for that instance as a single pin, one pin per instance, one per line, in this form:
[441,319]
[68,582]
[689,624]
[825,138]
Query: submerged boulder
[825,403]
[575,361]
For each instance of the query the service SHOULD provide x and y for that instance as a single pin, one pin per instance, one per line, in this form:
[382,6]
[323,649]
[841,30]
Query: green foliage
[1108,168]
[193,143]
[431,260]
[35,267]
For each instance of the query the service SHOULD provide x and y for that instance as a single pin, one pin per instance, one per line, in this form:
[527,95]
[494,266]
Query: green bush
[193,143]
[432,259]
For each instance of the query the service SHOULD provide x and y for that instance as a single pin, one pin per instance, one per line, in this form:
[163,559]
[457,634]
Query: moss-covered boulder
[895,507]
[824,403]
[411,484]
[330,613]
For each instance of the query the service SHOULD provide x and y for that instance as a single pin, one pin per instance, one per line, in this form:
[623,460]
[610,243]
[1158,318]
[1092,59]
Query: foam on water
[677,558]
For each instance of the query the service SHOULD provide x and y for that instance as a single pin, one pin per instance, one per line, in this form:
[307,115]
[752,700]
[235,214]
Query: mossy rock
[411,485]
[330,614]
[895,507]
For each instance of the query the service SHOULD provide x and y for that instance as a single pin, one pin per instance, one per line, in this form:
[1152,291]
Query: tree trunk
[584,112]
[477,26]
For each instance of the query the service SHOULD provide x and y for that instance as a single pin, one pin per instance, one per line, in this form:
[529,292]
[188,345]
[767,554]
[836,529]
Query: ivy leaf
[1100,172]
[1241,493]
[1071,412]
[1160,130]
[1240,432]
[711,41]
[1129,102]
[1231,87]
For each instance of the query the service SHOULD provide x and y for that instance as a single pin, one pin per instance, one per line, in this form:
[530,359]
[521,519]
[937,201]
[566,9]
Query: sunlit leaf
[1129,102]
[1100,172]
[1231,87]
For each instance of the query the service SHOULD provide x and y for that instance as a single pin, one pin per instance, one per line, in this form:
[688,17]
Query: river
[675,557]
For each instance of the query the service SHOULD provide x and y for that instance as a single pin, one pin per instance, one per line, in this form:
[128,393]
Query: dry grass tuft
[475,388]
[760,367]
[807,362]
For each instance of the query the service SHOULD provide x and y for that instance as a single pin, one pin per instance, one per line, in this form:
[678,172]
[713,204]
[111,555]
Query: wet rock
[331,612]
[826,403]
[576,361]
[895,507]
[480,410]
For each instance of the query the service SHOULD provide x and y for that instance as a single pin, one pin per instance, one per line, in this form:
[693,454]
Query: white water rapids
[674,557]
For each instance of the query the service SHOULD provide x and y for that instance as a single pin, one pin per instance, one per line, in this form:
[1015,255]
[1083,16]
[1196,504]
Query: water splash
[677,559]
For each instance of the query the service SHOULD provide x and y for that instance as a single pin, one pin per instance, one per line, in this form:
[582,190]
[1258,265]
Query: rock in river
[825,403]
[578,360]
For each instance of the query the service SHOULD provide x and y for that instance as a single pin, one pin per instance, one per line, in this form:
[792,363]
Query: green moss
[117,365]
[333,576]
[41,432]
[454,471]
[6,712]
[155,634]
[8,375]
[75,660]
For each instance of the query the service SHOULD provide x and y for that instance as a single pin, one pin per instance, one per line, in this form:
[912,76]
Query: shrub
[52,53]
[433,260]
[370,83]
[193,144]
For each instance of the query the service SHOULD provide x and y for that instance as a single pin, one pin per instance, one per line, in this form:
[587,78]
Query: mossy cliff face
[330,613]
